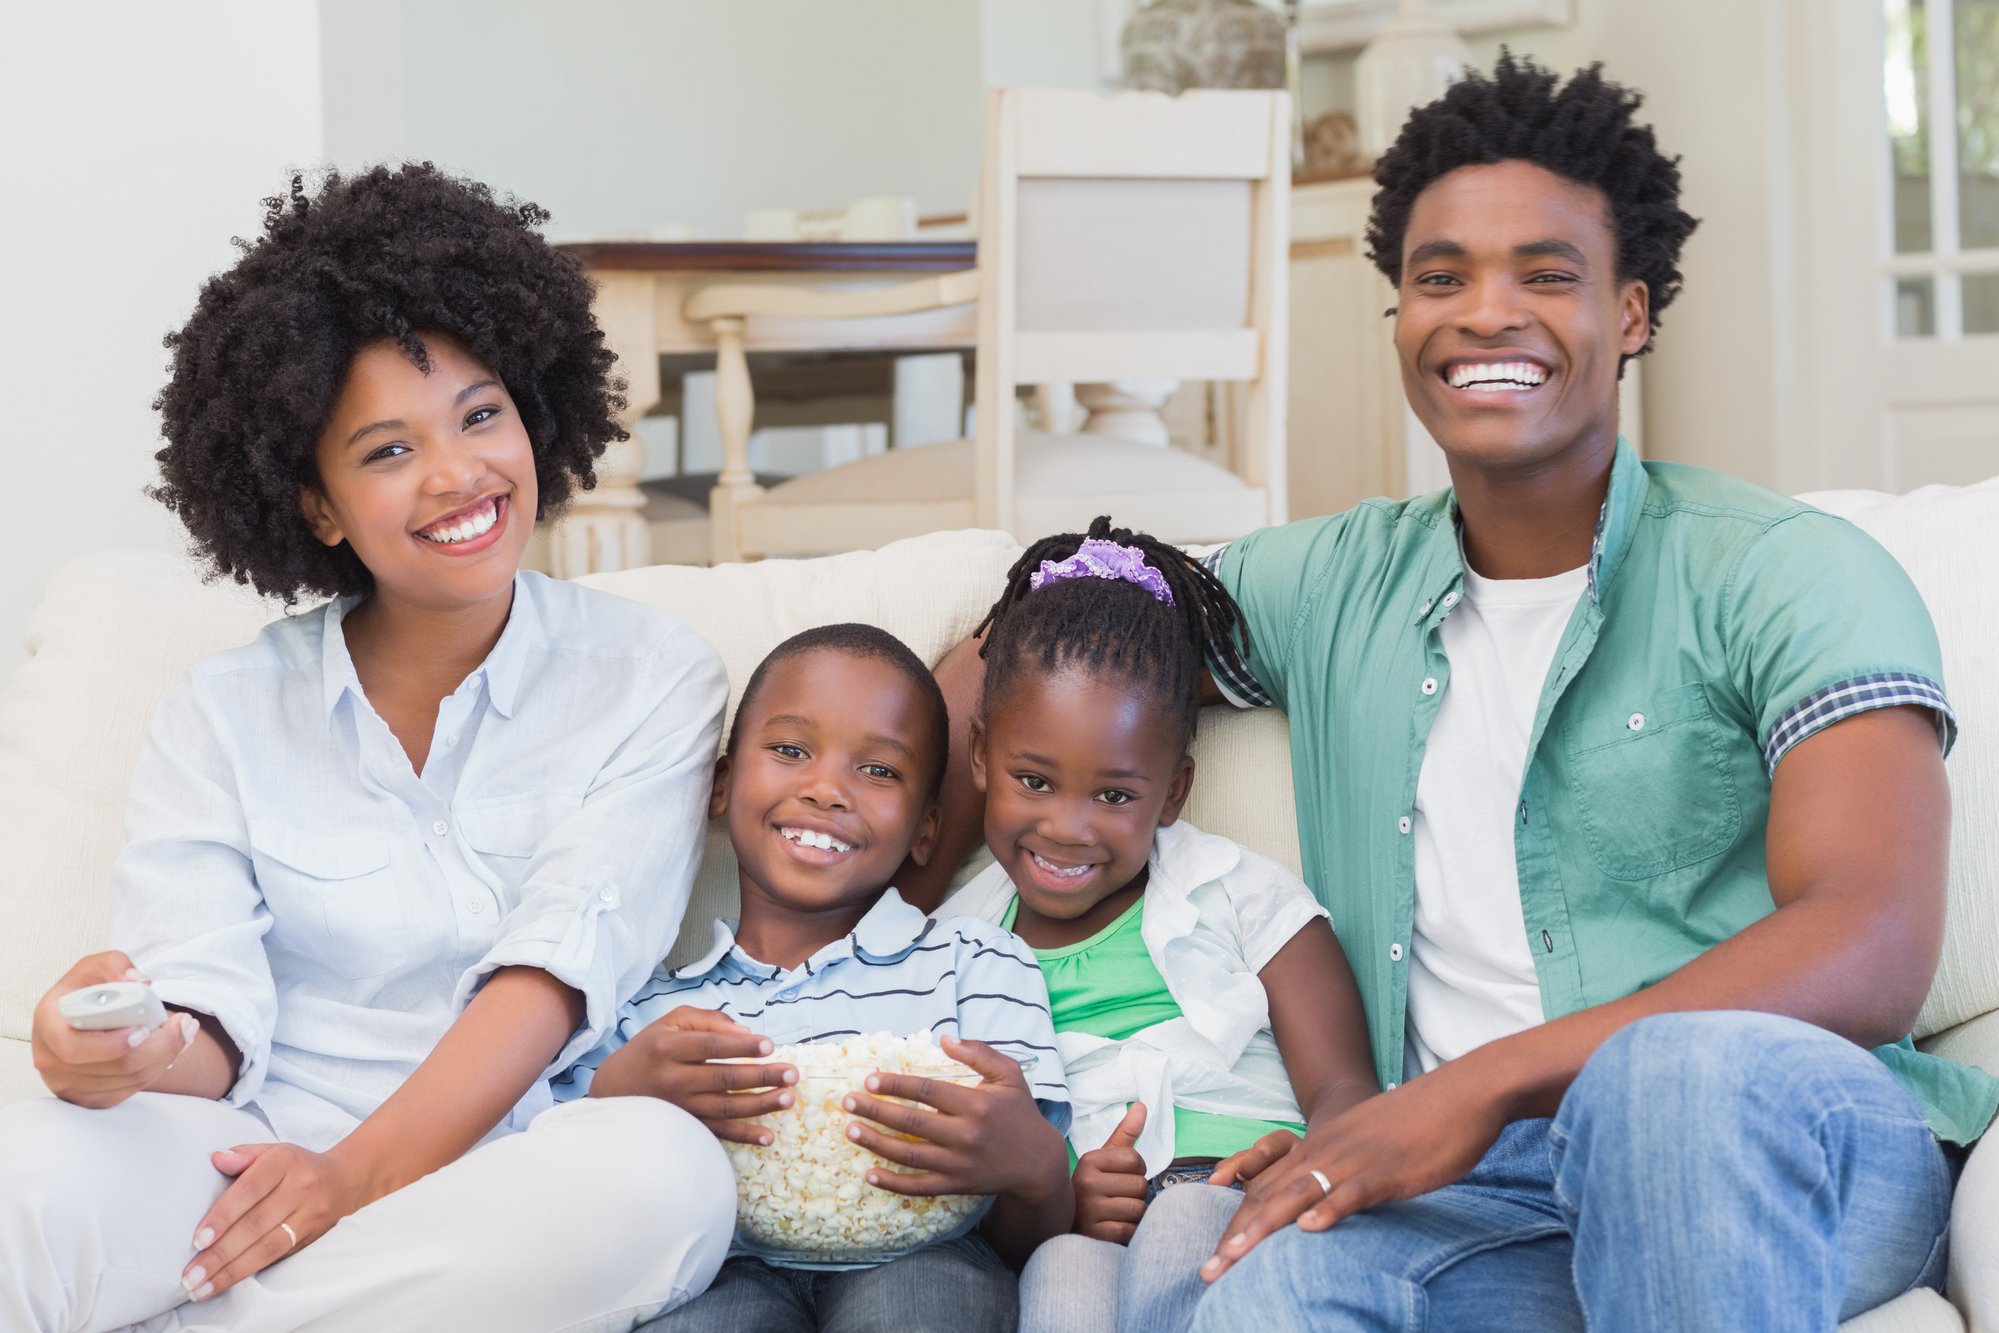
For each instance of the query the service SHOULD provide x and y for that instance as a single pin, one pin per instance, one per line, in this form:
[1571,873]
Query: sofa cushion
[1944,537]
[114,630]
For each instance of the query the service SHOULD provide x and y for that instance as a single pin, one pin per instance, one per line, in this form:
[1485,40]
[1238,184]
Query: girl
[399,860]
[1201,1003]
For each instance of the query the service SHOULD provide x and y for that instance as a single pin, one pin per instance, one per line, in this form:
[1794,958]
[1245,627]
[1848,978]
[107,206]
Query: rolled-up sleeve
[185,902]
[607,887]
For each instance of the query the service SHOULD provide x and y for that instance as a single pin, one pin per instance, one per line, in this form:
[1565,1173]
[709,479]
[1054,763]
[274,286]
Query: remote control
[115,1004]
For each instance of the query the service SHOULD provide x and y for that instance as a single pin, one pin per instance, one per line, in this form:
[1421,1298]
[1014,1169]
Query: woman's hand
[1110,1183]
[1419,1137]
[102,1069]
[672,1059]
[284,1199]
[988,1139]
[1254,1160]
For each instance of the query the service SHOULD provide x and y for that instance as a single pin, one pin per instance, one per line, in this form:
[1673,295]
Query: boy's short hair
[391,253]
[874,644]
[1582,132]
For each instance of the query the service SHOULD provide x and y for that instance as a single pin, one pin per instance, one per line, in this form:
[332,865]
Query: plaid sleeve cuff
[1837,702]
[1232,675]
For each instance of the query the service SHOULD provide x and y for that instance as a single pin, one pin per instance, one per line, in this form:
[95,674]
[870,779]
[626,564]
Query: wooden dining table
[642,287]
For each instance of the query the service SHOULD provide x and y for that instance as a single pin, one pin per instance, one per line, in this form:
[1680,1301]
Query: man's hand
[1110,1183]
[678,1059]
[988,1139]
[284,1199]
[1420,1137]
[101,1069]
[1254,1160]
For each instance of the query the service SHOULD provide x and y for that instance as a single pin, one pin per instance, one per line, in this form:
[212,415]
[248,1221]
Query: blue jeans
[959,1286]
[1707,1171]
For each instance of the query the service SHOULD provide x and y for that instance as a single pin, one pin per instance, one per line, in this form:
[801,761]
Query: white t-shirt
[1471,976]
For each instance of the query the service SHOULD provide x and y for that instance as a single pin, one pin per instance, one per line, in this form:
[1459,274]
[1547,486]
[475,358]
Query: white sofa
[113,630]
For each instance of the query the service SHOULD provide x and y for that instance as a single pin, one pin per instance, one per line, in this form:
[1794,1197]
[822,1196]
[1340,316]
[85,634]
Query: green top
[1107,986]
[1723,624]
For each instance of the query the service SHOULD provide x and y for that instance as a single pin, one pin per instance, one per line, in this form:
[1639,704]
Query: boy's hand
[1255,1159]
[674,1059]
[1110,1183]
[988,1139]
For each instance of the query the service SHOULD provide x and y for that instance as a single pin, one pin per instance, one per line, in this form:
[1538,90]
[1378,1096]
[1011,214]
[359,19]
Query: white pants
[599,1215]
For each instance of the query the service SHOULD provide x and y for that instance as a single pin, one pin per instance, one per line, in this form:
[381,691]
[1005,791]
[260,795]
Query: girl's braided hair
[1109,627]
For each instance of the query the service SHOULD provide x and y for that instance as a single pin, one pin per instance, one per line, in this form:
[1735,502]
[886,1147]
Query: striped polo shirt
[898,971]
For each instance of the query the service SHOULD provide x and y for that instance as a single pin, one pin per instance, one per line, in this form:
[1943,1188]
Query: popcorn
[806,1197]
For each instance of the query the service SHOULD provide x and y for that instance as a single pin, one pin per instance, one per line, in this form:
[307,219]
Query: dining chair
[1128,241]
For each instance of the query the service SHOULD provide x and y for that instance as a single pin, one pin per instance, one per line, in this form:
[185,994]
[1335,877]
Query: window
[1940,77]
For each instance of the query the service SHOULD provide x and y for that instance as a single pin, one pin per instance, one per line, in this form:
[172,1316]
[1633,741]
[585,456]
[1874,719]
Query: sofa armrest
[1974,1214]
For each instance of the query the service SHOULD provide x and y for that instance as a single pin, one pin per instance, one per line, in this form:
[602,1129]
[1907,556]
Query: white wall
[139,139]
[623,116]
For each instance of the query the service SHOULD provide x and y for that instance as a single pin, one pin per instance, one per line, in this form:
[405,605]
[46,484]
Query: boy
[828,782]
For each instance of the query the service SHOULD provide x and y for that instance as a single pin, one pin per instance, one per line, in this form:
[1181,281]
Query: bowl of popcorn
[805,1198]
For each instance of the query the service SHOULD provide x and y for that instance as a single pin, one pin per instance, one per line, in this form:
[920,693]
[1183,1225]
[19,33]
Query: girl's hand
[1255,1159]
[989,1139]
[101,1069]
[1420,1137]
[278,1186]
[672,1058]
[1110,1183]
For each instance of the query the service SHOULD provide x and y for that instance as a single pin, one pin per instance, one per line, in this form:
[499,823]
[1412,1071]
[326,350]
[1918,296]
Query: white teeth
[1064,872]
[477,524]
[825,842]
[1496,376]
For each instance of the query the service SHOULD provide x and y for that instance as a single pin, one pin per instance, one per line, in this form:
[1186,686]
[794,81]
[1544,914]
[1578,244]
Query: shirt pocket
[333,898]
[1651,785]
[508,832]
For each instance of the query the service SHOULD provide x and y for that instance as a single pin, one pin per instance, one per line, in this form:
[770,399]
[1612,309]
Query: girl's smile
[1079,771]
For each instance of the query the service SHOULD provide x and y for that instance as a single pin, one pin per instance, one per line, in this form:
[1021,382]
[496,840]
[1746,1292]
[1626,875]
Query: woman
[398,861]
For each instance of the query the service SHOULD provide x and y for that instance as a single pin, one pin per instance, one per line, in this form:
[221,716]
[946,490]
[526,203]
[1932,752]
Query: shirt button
[474,906]
[606,896]
[1424,609]
[1402,825]
[452,739]
[1450,600]
[440,828]
[1636,722]
[1388,1086]
[1395,953]
[1429,684]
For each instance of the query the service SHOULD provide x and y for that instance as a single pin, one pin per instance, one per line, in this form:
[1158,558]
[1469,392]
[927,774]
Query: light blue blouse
[287,871]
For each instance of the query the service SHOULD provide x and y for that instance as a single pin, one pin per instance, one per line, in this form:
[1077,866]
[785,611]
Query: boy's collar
[889,929]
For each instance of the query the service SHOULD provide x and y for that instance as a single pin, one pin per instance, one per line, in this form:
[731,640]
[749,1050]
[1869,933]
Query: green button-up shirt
[1722,625]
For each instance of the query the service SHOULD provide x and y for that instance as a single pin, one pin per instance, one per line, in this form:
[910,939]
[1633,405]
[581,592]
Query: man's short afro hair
[390,253]
[1581,132]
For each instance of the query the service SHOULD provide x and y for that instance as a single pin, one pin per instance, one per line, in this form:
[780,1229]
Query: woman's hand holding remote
[102,1069]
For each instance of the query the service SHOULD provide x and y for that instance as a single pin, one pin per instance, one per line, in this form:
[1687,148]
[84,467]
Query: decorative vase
[1173,45]
[1411,62]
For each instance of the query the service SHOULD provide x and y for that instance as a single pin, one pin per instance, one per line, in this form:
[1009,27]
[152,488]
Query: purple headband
[1098,559]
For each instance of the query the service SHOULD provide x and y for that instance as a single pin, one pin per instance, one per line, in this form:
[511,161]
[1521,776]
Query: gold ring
[1325,1185]
[291,1237]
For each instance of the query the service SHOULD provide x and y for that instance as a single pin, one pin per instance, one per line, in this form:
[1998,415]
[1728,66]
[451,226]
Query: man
[1624,784]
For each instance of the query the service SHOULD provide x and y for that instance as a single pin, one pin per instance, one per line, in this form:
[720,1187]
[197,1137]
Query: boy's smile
[829,786]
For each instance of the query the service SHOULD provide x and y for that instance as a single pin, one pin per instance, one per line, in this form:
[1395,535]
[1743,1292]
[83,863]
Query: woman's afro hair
[391,253]
[1581,132]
